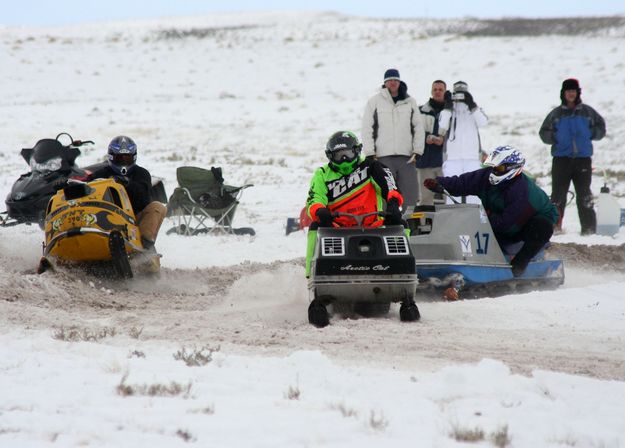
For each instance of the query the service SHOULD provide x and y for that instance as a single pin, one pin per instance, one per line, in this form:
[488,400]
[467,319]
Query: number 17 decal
[478,242]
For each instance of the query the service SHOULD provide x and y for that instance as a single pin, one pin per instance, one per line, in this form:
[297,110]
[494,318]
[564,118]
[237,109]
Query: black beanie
[571,84]
[391,73]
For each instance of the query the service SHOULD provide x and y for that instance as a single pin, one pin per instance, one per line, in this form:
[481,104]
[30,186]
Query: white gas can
[608,213]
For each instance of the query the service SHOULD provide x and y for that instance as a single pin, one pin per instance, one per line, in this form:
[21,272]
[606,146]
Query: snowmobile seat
[203,203]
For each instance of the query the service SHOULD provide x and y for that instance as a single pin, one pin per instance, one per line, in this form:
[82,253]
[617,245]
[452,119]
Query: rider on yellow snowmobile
[122,157]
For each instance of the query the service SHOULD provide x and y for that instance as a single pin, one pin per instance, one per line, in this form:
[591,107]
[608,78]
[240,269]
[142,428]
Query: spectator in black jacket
[570,129]
[430,164]
[122,157]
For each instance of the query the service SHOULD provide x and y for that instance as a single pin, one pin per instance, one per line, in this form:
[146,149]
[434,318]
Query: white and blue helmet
[122,155]
[506,163]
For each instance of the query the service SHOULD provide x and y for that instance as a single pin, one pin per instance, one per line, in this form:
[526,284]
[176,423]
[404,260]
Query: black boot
[318,314]
[148,245]
[535,234]
[408,311]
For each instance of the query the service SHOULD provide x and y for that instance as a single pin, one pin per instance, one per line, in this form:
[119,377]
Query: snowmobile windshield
[47,166]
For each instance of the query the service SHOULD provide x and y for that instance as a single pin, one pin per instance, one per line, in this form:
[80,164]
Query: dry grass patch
[292,393]
[500,438]
[185,435]
[153,390]
[377,422]
[467,434]
[135,332]
[75,334]
[208,410]
[196,357]
[344,410]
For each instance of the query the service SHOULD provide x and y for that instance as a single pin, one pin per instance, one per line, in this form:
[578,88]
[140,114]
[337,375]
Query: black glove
[433,185]
[468,100]
[449,104]
[122,180]
[393,213]
[324,216]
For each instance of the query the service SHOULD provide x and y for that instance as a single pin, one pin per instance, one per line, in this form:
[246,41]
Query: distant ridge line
[416,28]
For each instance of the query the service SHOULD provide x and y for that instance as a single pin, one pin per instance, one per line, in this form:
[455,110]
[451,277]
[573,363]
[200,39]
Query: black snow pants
[535,234]
[579,170]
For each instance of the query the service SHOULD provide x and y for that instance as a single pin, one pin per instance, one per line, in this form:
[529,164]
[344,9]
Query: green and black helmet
[343,151]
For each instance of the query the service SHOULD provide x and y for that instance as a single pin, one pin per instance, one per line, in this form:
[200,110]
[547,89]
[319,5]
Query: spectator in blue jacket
[570,129]
[517,208]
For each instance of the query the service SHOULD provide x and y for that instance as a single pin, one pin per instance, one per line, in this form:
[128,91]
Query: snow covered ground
[91,363]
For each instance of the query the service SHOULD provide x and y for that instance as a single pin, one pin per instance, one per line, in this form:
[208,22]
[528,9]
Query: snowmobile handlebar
[82,142]
[448,194]
[358,218]
[73,142]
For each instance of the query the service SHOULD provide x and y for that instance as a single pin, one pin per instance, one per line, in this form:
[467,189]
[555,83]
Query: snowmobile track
[260,309]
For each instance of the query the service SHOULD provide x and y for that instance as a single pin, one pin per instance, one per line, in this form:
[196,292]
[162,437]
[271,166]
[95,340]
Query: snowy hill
[259,94]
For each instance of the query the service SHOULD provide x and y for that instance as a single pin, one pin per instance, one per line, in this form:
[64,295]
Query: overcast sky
[61,12]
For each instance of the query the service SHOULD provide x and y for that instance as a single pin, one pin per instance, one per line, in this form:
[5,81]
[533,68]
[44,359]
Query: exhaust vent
[396,245]
[332,246]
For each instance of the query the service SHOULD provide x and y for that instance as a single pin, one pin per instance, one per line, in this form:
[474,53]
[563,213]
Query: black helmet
[343,151]
[122,154]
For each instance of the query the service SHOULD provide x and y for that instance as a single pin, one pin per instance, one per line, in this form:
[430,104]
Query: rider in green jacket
[349,183]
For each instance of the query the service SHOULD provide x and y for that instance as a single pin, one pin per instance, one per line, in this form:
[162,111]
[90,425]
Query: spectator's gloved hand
[121,180]
[432,139]
[433,185]
[393,213]
[449,104]
[324,216]
[468,100]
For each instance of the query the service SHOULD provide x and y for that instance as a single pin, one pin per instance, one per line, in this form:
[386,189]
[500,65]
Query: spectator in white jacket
[461,120]
[392,132]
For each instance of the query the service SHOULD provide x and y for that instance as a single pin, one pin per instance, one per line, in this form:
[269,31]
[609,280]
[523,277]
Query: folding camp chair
[202,203]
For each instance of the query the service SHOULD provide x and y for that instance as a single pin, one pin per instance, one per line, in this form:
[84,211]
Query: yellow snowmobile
[90,223]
